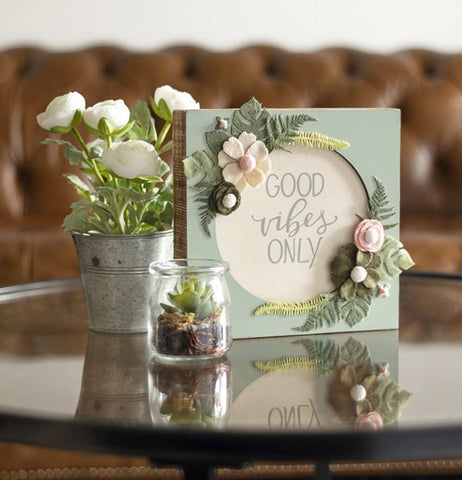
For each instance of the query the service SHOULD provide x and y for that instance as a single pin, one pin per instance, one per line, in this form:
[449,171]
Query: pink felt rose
[369,421]
[369,236]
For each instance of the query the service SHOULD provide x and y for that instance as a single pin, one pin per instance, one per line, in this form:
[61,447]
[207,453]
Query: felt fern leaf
[250,118]
[328,315]
[290,363]
[288,309]
[281,128]
[316,140]
[379,205]
[206,216]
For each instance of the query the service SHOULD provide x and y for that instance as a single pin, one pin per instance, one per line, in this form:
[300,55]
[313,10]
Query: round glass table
[368,396]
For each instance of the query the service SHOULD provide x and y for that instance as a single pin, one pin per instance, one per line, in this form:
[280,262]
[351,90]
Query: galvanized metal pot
[116,279]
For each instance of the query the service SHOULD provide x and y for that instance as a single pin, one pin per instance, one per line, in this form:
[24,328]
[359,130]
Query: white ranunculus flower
[131,159]
[61,110]
[175,99]
[115,112]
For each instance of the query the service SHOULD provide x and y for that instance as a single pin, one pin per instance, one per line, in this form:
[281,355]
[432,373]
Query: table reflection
[311,382]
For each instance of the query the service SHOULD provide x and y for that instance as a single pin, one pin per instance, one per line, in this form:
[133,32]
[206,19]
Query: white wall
[380,25]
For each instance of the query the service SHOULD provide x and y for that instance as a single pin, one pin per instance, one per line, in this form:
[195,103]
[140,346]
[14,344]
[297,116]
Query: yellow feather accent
[288,309]
[290,363]
[316,140]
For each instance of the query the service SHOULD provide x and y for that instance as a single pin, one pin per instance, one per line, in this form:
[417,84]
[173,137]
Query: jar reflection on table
[190,310]
[194,394]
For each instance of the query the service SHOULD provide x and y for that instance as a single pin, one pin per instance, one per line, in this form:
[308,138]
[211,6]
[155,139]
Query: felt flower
[244,161]
[383,370]
[369,236]
[355,272]
[369,421]
[225,199]
[383,290]
[350,379]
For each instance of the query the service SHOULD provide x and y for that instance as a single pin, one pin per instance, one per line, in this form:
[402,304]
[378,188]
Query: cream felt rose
[114,111]
[61,110]
[175,99]
[244,161]
[370,421]
[369,236]
[131,159]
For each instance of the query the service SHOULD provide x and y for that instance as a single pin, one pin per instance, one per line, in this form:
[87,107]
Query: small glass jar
[190,310]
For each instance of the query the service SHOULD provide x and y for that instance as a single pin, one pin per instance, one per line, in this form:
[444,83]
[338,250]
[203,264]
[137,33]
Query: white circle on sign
[282,238]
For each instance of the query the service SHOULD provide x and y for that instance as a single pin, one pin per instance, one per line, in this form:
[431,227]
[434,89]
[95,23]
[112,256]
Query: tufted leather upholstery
[426,86]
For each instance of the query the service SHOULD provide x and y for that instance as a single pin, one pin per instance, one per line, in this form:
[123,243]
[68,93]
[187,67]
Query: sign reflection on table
[312,382]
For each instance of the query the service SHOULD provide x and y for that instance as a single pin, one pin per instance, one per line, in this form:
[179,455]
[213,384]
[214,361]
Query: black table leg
[198,472]
[322,471]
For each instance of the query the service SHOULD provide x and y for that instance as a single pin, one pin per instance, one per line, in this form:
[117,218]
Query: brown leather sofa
[426,86]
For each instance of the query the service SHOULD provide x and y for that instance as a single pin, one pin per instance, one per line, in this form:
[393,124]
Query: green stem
[87,153]
[162,135]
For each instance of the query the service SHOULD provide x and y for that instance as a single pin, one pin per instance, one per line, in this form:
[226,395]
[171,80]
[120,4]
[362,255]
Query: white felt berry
[229,200]
[371,236]
[223,123]
[358,393]
[358,274]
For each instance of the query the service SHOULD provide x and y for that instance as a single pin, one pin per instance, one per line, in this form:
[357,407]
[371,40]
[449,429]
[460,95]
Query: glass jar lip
[188,266]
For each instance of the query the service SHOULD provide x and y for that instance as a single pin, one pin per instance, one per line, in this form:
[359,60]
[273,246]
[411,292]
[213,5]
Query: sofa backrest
[426,86]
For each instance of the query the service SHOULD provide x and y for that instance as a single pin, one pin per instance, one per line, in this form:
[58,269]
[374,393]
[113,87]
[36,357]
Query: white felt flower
[244,161]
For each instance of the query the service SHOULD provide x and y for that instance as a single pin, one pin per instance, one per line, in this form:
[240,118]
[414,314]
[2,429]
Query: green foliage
[328,315]
[204,164]
[144,127]
[356,355]
[281,129]
[74,155]
[391,400]
[325,351]
[356,310]
[291,308]
[395,258]
[316,140]
[191,296]
[250,118]
[215,140]
[290,363]
[161,109]
[80,186]
[122,210]
[379,208]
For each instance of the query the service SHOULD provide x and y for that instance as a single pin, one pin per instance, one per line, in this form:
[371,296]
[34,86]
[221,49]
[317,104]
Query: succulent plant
[225,199]
[191,296]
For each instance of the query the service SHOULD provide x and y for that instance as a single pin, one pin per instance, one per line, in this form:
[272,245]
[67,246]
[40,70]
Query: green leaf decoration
[356,309]
[392,400]
[325,351]
[70,152]
[328,315]
[379,205]
[81,187]
[205,163]
[215,140]
[291,363]
[144,127]
[280,128]
[250,118]
[316,140]
[395,259]
[355,354]
[291,308]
